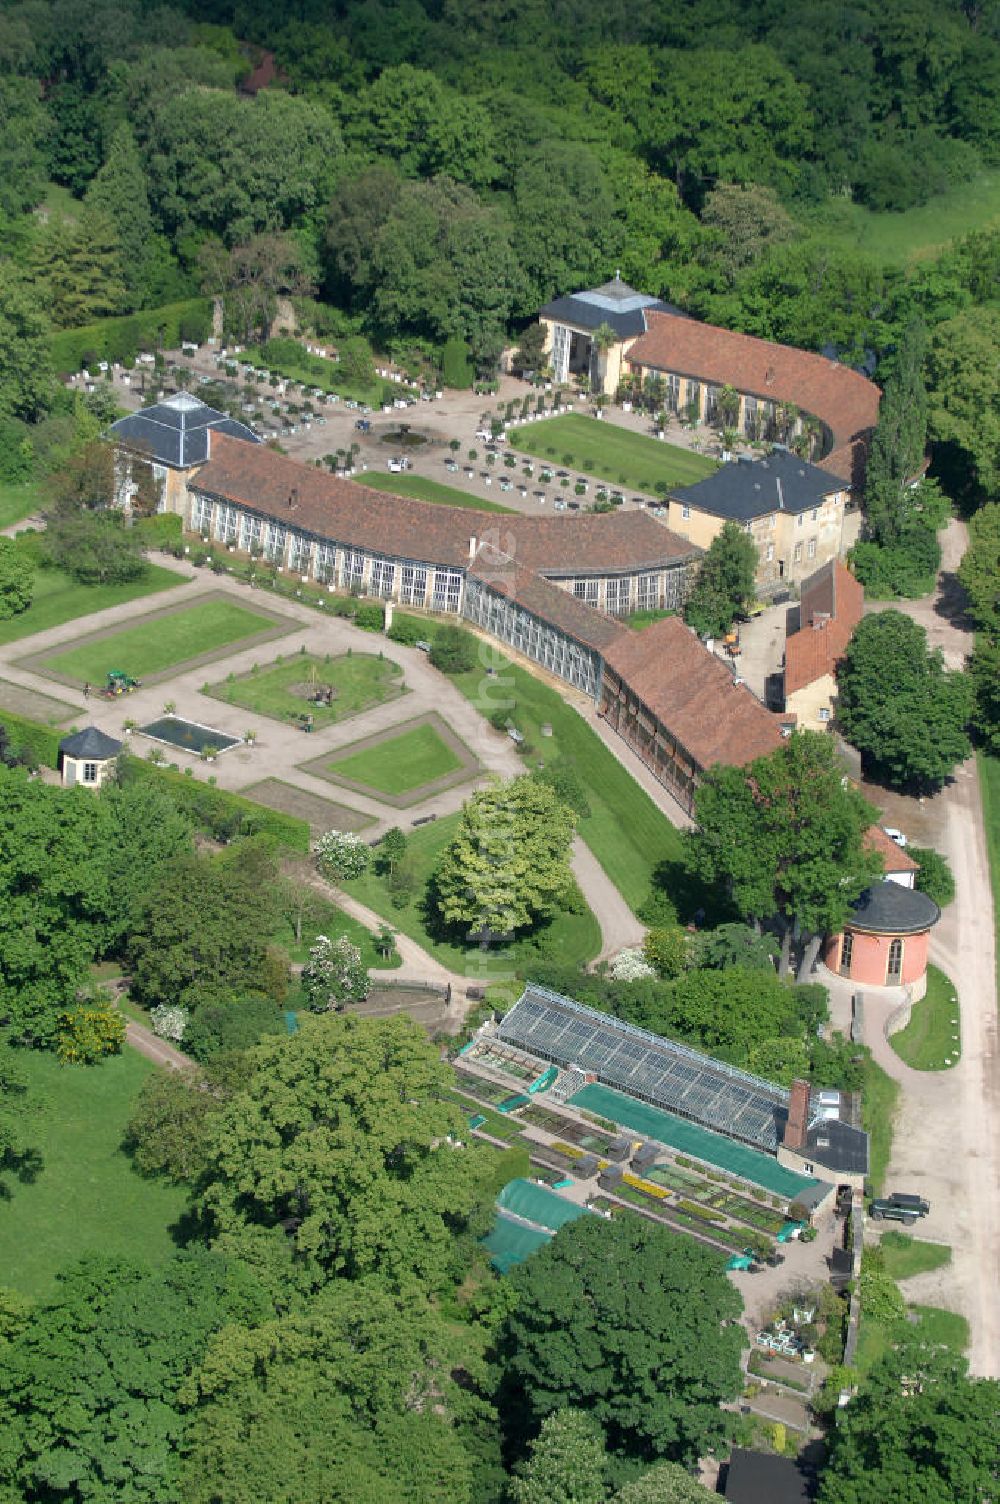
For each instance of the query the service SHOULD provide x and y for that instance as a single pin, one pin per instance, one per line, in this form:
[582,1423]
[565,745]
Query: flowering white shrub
[169,1022]
[341,855]
[334,975]
[631,966]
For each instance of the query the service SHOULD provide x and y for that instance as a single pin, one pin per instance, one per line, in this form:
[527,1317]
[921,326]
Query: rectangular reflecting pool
[188,735]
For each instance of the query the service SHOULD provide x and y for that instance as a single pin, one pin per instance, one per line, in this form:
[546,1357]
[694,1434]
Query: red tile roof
[547,602]
[358,516]
[845,402]
[894,858]
[832,603]
[694,695]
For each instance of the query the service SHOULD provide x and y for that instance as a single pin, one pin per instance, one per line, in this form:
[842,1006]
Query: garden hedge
[123,338]
[42,742]
[222,815]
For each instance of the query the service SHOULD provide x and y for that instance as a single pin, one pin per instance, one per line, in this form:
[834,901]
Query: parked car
[899,1208]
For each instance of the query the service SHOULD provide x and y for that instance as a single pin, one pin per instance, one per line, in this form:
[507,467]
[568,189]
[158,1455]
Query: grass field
[34,706]
[879,1099]
[325,918]
[928,1042]
[428,490]
[404,763]
[905,1256]
[58,599]
[18,502]
[989,783]
[166,642]
[87,1198]
[626,832]
[899,238]
[596,447]
[280,689]
[574,937]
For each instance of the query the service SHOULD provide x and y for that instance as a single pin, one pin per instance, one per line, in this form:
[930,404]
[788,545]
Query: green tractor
[119,683]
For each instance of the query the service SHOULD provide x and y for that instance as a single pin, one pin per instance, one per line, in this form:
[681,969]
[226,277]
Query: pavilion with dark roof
[87,757]
[572,321]
[884,942]
[174,437]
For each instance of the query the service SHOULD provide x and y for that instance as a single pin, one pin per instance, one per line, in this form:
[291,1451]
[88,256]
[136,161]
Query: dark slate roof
[746,489]
[837,1146]
[175,432]
[763,1478]
[90,743]
[887,908]
[614,303]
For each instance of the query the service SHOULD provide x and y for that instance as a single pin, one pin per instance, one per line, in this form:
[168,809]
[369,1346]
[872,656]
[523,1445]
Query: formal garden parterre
[163,643]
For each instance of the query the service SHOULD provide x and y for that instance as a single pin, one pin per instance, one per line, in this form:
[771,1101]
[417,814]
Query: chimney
[293,498]
[797,1125]
[473,545]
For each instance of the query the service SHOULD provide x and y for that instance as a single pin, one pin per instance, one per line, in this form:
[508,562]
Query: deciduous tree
[508,866]
[899,705]
[919,1431]
[724,583]
[631,1324]
[785,836]
[334,974]
[345,1135]
[568,1463]
[17,579]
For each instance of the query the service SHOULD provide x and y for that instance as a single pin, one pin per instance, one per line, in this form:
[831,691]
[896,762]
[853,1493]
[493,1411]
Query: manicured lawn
[629,836]
[58,599]
[428,490]
[405,762]
[573,937]
[898,238]
[166,642]
[281,689]
[905,1256]
[87,1198]
[596,447]
[928,1042]
[989,783]
[18,502]
[879,1099]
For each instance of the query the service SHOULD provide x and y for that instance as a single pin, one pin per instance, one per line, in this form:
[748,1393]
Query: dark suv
[899,1208]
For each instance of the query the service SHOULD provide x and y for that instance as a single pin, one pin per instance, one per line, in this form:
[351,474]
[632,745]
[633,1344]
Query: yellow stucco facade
[814,705]
[789,547]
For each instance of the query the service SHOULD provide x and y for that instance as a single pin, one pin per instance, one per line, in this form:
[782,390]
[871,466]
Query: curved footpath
[947,1134]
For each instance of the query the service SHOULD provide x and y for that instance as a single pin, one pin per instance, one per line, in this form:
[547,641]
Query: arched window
[894,970]
[846,951]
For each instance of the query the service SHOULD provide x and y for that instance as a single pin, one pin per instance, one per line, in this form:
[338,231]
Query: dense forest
[439,169]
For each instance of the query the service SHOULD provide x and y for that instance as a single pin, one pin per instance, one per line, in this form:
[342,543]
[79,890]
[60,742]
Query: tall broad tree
[724,583]
[345,1135]
[89,1386]
[630,1323]
[785,835]
[905,712]
[508,866]
[919,1431]
[354,1399]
